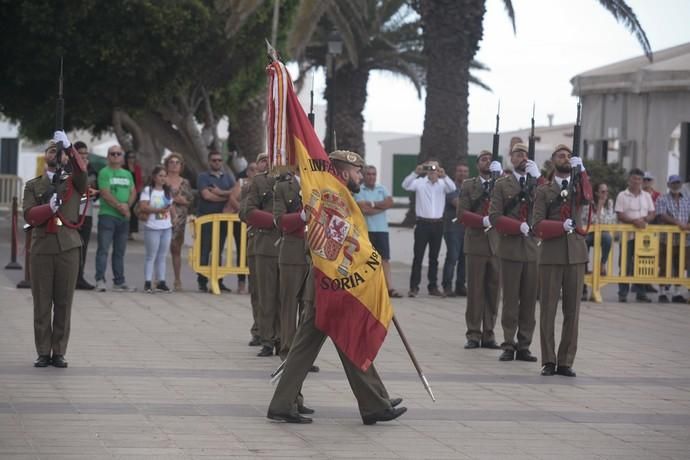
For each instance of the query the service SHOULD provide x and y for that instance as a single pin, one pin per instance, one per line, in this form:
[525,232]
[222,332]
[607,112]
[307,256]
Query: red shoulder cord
[67,196]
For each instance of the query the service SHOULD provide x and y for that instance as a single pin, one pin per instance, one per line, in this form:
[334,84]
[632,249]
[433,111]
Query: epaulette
[37,178]
[501,179]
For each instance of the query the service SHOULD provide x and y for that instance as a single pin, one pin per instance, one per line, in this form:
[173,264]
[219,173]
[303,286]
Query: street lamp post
[335,49]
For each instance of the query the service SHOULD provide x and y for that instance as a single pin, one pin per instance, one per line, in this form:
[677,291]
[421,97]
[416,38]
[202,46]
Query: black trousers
[206,230]
[429,233]
[85,234]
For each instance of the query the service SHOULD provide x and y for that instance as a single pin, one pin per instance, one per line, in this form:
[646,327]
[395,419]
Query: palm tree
[377,35]
[452,31]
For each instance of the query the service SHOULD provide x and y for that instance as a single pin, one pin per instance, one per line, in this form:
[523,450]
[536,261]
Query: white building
[637,113]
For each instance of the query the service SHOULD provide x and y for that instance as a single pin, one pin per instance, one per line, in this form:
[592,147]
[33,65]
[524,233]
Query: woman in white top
[156,200]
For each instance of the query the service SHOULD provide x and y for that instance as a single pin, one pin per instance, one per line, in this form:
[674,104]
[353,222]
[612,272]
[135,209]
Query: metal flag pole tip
[413,358]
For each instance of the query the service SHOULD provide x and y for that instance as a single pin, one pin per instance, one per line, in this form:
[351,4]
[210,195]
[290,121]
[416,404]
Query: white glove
[495,167]
[575,162]
[532,169]
[568,225]
[486,222]
[524,228]
[54,203]
[60,136]
[303,215]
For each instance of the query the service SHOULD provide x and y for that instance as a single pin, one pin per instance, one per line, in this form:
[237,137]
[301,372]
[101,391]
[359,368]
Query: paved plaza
[170,376]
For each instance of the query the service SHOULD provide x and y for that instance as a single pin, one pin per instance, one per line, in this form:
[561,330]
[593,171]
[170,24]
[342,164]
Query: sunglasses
[115,154]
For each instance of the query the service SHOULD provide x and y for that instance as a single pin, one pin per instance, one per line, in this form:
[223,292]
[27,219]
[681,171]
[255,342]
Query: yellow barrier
[214,271]
[10,186]
[646,263]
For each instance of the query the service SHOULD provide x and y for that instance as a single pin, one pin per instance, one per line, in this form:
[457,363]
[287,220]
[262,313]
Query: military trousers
[253,294]
[291,281]
[269,301]
[53,280]
[519,283]
[482,297]
[553,279]
[366,385]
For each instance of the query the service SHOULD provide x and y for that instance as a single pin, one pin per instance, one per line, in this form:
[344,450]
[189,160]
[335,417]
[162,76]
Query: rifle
[575,173]
[59,123]
[311,115]
[494,149]
[531,181]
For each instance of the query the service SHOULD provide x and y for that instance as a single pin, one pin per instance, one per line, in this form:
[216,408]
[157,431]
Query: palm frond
[625,15]
[476,65]
[511,13]
[476,81]
[307,17]
[405,69]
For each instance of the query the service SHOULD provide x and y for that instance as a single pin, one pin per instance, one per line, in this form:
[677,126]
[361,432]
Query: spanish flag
[352,303]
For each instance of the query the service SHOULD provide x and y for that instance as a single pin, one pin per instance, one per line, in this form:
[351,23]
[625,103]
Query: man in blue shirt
[374,200]
[214,192]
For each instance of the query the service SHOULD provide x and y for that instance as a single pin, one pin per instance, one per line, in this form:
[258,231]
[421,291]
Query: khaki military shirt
[569,248]
[260,196]
[474,198]
[35,194]
[507,201]
[287,199]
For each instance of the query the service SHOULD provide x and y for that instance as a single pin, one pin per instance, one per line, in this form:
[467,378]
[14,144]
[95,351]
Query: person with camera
[51,207]
[430,185]
[214,191]
[480,245]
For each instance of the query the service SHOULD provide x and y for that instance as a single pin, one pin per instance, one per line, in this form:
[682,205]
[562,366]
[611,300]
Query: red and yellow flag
[352,303]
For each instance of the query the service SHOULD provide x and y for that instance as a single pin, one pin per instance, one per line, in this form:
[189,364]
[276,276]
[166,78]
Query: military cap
[262,156]
[347,156]
[562,147]
[519,147]
[484,152]
[51,145]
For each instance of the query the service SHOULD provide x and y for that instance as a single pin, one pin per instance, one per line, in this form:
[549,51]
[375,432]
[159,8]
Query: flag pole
[425,382]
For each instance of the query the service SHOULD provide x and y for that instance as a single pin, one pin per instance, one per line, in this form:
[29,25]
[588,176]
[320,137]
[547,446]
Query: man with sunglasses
[117,193]
[214,192]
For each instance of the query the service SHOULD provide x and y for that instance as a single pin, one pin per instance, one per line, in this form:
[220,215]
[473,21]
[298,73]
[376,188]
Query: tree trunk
[452,31]
[350,98]
[132,136]
[248,130]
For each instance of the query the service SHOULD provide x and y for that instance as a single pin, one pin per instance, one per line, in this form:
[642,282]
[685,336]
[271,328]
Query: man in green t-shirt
[117,191]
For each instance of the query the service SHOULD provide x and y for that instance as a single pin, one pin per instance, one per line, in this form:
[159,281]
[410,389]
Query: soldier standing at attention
[511,201]
[292,258]
[480,247]
[374,403]
[562,262]
[253,169]
[258,212]
[51,207]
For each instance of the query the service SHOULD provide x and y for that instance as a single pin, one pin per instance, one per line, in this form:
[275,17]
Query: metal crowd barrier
[10,186]
[648,249]
[214,270]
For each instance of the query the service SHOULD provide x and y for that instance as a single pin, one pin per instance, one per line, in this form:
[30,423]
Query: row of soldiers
[276,256]
[522,236]
[282,290]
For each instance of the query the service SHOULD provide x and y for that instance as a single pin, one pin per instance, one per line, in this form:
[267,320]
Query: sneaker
[147,287]
[678,299]
[162,287]
[123,288]
[663,298]
[101,286]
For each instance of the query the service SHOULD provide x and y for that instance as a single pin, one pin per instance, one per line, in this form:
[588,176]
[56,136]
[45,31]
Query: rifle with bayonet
[494,148]
[531,181]
[579,187]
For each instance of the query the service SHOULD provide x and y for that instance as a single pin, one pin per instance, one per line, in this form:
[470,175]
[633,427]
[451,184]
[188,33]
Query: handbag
[140,213]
